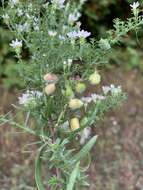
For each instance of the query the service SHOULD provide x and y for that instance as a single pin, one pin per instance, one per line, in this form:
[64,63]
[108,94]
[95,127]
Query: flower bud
[74,124]
[50,78]
[50,89]
[80,87]
[95,78]
[75,104]
[104,44]
[69,92]
[84,121]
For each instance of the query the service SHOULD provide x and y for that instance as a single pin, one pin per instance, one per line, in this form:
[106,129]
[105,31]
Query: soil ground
[117,157]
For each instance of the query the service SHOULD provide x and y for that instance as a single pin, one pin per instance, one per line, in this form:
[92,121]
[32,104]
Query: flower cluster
[78,34]
[112,89]
[29,97]
[16,44]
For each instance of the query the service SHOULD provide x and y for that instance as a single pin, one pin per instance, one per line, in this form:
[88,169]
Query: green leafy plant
[98,16]
[8,67]
[64,66]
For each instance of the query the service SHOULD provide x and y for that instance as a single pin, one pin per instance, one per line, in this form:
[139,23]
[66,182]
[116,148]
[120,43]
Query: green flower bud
[80,87]
[95,78]
[84,121]
[69,92]
[104,44]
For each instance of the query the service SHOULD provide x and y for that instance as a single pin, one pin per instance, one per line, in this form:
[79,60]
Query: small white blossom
[13,2]
[62,37]
[87,99]
[59,3]
[6,17]
[84,135]
[16,44]
[36,27]
[83,34]
[29,96]
[79,34]
[52,33]
[69,61]
[20,12]
[106,89]
[135,10]
[135,5]
[78,24]
[115,90]
[46,5]
[96,97]
[36,24]
[72,35]
[73,17]
[112,88]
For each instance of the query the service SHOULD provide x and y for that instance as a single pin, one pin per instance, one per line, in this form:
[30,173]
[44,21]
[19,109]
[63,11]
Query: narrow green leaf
[38,168]
[86,149]
[73,177]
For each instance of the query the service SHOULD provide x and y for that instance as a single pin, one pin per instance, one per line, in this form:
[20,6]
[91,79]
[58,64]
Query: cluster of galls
[74,103]
[51,80]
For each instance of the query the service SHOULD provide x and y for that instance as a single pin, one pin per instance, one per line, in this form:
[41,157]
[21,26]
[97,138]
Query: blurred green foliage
[8,67]
[98,16]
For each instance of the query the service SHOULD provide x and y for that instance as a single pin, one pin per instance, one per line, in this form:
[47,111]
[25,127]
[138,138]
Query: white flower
[36,27]
[87,99]
[96,97]
[70,61]
[13,2]
[52,33]
[115,90]
[73,17]
[83,34]
[6,16]
[79,34]
[29,96]
[84,135]
[46,5]
[62,37]
[106,89]
[72,35]
[58,3]
[36,24]
[112,89]
[135,5]
[16,44]
[20,12]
